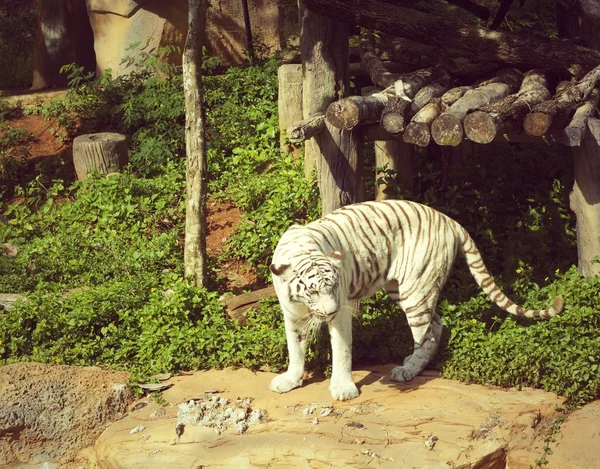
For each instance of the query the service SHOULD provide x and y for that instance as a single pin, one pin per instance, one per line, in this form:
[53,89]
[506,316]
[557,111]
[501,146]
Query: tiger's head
[314,281]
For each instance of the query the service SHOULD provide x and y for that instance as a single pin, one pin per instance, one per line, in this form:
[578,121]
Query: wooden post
[585,198]
[398,156]
[585,202]
[289,101]
[104,152]
[334,152]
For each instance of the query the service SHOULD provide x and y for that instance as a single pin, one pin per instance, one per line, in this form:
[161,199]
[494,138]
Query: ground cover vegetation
[116,243]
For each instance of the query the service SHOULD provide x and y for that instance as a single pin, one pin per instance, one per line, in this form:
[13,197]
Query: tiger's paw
[343,391]
[402,374]
[283,383]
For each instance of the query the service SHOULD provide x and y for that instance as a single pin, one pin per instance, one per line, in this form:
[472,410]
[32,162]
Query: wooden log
[483,125]
[557,111]
[453,95]
[507,47]
[405,88]
[466,66]
[427,93]
[392,116]
[473,8]
[104,152]
[576,130]
[239,304]
[418,131]
[447,128]
[593,126]
[371,62]
[347,113]
[300,131]
[540,119]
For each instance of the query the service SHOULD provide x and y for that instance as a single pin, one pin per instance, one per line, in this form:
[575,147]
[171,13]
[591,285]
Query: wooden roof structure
[464,82]
[482,92]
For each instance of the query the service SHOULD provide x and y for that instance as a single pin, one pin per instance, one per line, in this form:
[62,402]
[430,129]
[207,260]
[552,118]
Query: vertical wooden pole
[397,156]
[289,101]
[325,70]
[585,197]
[585,202]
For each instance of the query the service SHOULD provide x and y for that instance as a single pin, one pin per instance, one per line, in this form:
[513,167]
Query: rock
[119,24]
[577,443]
[63,36]
[7,300]
[50,412]
[428,423]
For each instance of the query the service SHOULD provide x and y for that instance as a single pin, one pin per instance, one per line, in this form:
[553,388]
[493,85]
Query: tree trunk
[196,165]
[104,152]
[324,49]
[510,48]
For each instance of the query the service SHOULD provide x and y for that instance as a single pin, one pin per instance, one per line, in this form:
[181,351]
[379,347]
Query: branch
[300,131]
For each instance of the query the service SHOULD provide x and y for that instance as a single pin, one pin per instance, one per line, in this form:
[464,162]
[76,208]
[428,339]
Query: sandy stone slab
[429,423]
[50,412]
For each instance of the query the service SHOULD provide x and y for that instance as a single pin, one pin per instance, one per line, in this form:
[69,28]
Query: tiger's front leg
[342,385]
[295,332]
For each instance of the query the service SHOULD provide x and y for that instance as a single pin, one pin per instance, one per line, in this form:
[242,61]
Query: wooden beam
[511,48]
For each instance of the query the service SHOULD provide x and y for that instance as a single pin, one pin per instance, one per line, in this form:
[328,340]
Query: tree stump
[105,152]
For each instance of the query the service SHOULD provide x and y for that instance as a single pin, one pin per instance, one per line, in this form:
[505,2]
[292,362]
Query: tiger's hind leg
[426,329]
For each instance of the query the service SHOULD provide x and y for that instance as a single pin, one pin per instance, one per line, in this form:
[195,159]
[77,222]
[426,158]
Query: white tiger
[405,247]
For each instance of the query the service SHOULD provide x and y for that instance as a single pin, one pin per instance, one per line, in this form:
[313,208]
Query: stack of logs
[428,104]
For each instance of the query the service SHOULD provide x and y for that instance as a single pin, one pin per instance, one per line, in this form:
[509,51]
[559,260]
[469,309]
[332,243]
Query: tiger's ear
[338,256]
[281,270]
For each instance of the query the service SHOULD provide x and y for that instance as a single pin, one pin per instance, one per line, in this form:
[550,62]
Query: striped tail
[489,287]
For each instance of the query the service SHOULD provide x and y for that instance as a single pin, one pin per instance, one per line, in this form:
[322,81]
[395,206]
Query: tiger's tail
[489,287]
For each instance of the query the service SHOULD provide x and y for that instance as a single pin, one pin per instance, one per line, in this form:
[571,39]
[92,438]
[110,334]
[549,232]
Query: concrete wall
[117,24]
